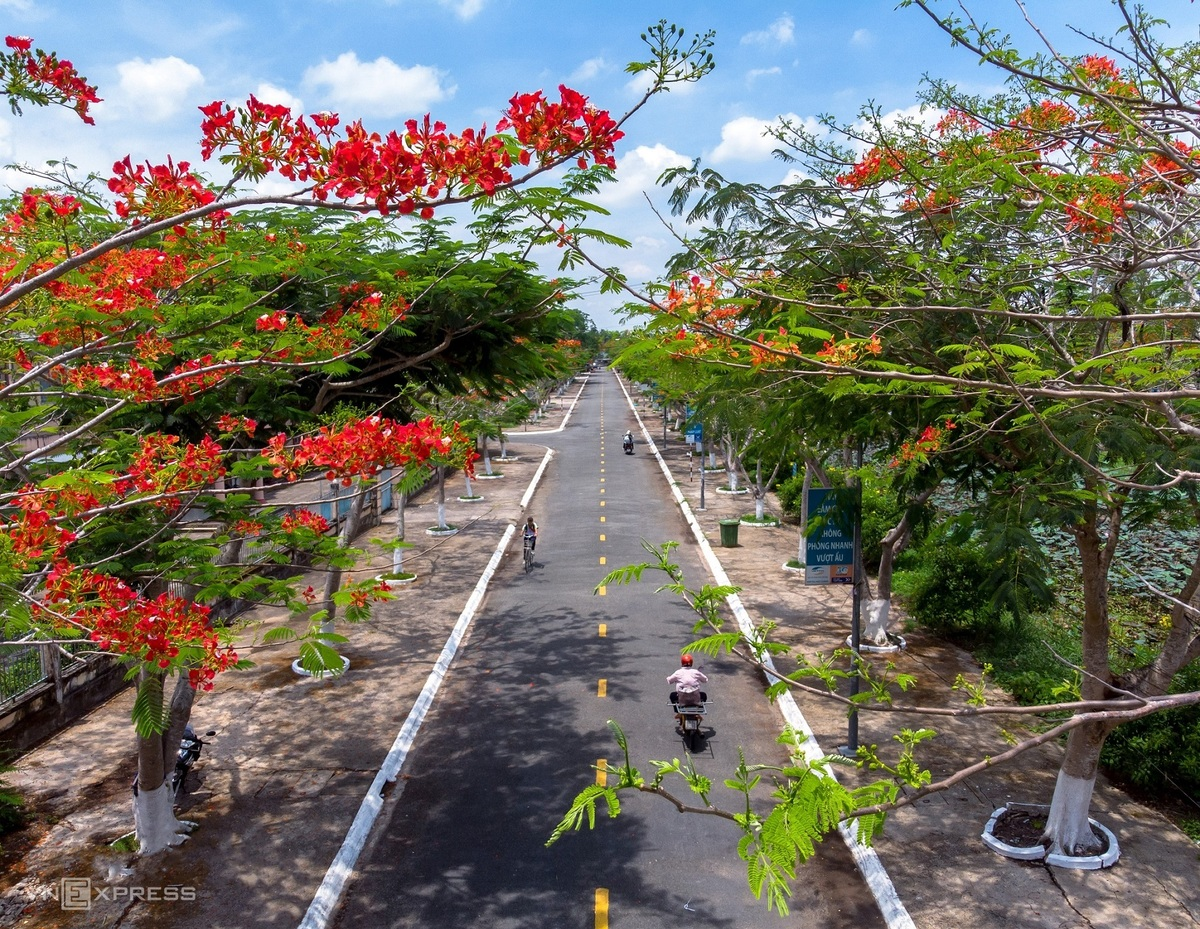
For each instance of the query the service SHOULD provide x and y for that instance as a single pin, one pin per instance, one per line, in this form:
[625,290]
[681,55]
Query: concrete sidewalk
[280,784]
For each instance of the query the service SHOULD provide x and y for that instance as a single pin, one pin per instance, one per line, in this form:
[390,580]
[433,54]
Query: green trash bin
[729,530]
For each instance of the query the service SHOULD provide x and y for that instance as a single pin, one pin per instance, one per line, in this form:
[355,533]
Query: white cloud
[269,93]
[465,9]
[780,32]
[862,38]
[747,138]
[157,89]
[380,87]
[638,171]
[589,69]
[755,73]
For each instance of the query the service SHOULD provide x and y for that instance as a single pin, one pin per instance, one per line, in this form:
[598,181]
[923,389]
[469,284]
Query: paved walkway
[279,786]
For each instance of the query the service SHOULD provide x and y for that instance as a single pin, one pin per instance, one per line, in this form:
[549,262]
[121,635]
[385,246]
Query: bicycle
[528,553]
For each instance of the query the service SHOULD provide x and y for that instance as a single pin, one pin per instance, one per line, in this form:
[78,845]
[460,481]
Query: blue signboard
[829,546]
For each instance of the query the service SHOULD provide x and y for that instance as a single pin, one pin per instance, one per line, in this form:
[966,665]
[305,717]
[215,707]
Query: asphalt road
[520,725]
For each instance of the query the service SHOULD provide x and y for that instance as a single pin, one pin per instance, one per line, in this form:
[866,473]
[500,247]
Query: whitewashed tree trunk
[487,457]
[441,497]
[155,826]
[398,551]
[878,614]
[1068,830]
[467,478]
[877,619]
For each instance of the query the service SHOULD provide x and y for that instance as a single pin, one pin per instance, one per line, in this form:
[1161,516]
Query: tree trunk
[467,478]
[333,575]
[155,825]
[878,614]
[487,456]
[398,551]
[441,497]
[1067,828]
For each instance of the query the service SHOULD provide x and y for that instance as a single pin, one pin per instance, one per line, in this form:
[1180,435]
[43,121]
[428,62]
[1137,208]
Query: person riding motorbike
[687,681]
[627,442]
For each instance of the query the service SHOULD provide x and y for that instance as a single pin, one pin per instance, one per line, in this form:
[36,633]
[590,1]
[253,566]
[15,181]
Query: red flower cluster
[57,80]
[366,447]
[551,130]
[158,191]
[403,171]
[157,632]
[928,443]
[165,466]
[304,519]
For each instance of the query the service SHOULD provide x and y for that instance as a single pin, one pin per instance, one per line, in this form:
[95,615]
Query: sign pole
[855,613]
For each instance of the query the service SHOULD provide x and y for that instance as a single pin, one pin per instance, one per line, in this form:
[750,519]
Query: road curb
[865,857]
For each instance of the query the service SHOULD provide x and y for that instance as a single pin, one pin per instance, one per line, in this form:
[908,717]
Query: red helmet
[686,661]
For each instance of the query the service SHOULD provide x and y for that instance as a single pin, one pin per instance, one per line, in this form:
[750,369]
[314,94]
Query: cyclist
[529,533]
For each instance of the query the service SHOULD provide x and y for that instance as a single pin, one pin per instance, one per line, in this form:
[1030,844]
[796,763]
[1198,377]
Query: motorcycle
[189,751]
[690,718]
[627,444]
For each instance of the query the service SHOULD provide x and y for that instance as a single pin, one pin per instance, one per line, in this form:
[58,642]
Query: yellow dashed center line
[601,908]
[603,630]
[602,590]
[602,503]
[602,688]
[603,560]
[602,772]
[602,539]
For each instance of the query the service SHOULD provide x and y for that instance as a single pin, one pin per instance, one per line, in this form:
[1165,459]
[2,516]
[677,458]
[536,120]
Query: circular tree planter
[895,644]
[794,566]
[494,476]
[507,458]
[396,580]
[1014,831]
[767,522]
[441,530]
[729,490]
[474,498]
[321,674]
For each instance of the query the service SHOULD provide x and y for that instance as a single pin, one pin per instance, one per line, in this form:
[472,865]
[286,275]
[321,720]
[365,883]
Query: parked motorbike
[189,751]
[627,443]
[690,719]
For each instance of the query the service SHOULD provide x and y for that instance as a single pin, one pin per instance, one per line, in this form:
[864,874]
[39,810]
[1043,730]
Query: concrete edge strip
[329,894]
[865,857]
[536,478]
[566,419]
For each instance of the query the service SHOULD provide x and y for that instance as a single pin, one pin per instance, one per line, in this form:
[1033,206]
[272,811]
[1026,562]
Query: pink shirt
[687,680]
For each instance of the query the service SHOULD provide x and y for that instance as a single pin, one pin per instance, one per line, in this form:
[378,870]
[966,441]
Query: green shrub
[12,807]
[944,593]
[1165,746]
[789,492]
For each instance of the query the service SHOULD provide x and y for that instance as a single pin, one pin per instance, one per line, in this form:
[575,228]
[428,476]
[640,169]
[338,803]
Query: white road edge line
[865,857]
[566,419]
[329,894]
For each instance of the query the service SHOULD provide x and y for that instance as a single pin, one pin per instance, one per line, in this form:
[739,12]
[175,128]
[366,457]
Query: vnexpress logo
[75,893]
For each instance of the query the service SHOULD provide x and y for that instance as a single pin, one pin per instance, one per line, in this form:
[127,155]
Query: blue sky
[156,61]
